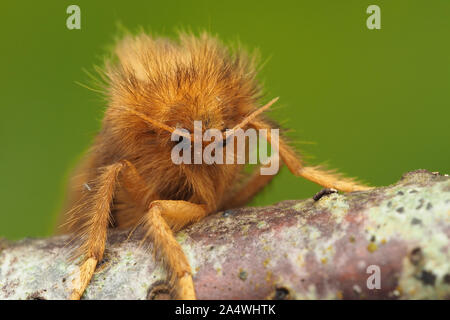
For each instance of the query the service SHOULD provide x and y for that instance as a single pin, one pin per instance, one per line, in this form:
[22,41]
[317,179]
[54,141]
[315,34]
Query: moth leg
[327,179]
[92,218]
[133,182]
[96,220]
[246,192]
[163,217]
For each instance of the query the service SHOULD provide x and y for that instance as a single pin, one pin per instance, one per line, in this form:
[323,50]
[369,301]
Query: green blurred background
[375,103]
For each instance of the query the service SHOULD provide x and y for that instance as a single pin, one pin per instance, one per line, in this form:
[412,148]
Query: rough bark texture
[293,250]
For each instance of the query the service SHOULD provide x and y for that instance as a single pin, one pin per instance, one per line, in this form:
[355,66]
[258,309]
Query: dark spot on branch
[447,278]
[281,293]
[324,192]
[400,210]
[421,202]
[36,296]
[416,256]
[243,275]
[427,277]
[103,262]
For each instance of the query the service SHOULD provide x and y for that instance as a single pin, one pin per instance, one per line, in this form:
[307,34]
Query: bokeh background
[373,103]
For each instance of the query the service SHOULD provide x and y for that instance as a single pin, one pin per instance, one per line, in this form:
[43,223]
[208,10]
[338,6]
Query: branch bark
[333,248]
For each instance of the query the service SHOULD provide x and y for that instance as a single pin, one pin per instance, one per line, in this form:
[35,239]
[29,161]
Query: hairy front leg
[95,220]
[245,193]
[90,218]
[163,217]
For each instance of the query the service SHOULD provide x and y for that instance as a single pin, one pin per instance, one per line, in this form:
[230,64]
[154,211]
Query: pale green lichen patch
[336,204]
[262,225]
[215,256]
[420,221]
[300,206]
[181,237]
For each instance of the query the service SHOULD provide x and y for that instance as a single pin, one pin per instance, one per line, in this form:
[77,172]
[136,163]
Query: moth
[127,179]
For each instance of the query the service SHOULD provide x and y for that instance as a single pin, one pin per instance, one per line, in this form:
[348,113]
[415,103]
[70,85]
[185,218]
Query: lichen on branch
[333,248]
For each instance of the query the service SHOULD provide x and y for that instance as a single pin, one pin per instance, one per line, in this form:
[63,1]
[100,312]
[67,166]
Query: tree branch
[302,249]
